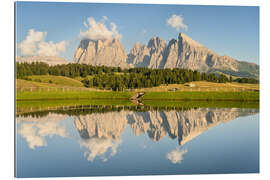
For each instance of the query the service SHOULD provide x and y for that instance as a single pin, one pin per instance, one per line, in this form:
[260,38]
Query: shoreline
[66,105]
[157,96]
[190,100]
[162,99]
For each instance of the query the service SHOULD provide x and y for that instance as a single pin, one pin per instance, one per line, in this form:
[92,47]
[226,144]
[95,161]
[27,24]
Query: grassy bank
[58,95]
[23,107]
[198,96]
[203,96]
[32,106]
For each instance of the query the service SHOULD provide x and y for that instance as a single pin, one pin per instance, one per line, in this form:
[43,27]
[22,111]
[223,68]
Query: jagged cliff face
[45,59]
[186,53]
[150,56]
[182,52]
[108,52]
[183,125]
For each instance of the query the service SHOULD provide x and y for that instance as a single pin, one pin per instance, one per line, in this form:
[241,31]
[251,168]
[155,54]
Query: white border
[7,96]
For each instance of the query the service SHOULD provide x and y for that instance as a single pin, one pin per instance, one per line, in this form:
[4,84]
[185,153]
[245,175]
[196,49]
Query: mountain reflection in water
[101,132]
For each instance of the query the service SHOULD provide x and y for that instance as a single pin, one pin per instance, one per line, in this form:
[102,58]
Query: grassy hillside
[250,68]
[204,86]
[21,83]
[58,80]
[247,70]
[57,87]
[33,86]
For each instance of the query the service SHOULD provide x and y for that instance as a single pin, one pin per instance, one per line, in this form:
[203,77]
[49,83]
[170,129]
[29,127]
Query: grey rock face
[188,54]
[139,56]
[101,52]
[45,59]
[182,52]
[150,56]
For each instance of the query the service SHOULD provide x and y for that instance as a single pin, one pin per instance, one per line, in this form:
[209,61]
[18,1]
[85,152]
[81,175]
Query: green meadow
[49,105]
[207,96]
[72,95]
[38,93]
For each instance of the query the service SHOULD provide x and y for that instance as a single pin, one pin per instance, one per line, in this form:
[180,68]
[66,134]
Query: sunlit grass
[58,80]
[232,96]
[50,95]
[204,86]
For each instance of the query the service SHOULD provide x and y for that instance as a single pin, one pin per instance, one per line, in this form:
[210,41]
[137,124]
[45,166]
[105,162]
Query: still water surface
[130,142]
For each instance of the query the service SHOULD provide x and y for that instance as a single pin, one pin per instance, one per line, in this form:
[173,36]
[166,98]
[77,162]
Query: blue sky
[228,30]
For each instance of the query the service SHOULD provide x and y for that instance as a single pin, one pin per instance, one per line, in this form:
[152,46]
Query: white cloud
[34,130]
[97,30]
[176,21]
[28,46]
[98,147]
[176,156]
[50,48]
[29,132]
[35,44]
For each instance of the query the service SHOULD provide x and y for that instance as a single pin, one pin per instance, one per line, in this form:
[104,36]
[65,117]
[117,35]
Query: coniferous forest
[118,79]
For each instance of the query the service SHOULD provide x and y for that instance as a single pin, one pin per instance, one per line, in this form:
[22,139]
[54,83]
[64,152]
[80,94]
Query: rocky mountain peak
[137,47]
[84,43]
[184,39]
[147,56]
[156,42]
[107,52]
[183,52]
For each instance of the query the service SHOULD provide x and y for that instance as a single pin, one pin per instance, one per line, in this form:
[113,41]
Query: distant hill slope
[56,80]
[45,59]
[182,52]
[21,83]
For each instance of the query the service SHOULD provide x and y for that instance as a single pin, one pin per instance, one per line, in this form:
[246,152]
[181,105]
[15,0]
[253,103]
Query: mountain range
[182,52]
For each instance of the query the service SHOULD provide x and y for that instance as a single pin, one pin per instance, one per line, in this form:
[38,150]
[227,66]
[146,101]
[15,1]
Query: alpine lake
[118,138]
